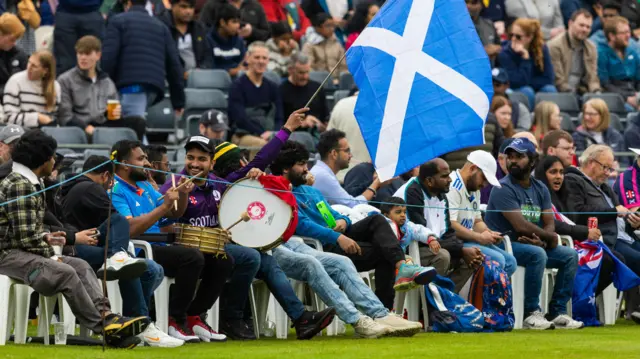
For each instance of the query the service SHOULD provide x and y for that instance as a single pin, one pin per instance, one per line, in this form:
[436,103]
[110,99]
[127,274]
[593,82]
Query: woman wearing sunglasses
[527,61]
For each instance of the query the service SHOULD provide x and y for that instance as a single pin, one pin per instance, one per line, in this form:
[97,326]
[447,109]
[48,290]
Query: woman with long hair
[527,60]
[31,97]
[546,118]
[501,108]
[364,13]
[596,129]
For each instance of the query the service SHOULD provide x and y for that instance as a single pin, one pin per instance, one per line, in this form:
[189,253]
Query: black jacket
[84,204]
[251,12]
[12,61]
[198,31]
[583,196]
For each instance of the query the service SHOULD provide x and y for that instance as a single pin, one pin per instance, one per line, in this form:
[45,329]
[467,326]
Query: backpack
[451,313]
[490,292]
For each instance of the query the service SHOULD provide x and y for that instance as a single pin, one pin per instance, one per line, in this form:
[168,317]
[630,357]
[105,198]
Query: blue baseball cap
[499,75]
[521,145]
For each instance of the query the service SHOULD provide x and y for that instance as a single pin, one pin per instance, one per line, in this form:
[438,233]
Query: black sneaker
[236,329]
[125,343]
[117,328]
[312,323]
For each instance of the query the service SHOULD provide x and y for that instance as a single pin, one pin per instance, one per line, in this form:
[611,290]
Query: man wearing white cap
[464,205]
[8,136]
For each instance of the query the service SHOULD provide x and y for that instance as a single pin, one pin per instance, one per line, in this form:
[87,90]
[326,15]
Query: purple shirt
[202,209]
[486,192]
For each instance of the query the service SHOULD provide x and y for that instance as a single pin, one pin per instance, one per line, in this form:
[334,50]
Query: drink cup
[111,107]
[60,334]
[57,250]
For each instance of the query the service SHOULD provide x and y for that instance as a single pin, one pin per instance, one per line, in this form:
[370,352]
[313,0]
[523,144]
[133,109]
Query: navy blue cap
[499,75]
[505,143]
[521,145]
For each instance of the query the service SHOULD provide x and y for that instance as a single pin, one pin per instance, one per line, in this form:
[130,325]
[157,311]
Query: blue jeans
[135,104]
[249,264]
[326,273]
[531,93]
[535,259]
[631,254]
[506,260]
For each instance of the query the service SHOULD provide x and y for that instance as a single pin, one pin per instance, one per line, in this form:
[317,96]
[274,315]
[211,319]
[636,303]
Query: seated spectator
[8,136]
[574,58]
[253,21]
[323,48]
[255,106]
[463,200]
[427,205]
[363,14]
[27,248]
[341,11]
[546,118]
[12,59]
[546,11]
[521,209]
[618,63]
[529,136]
[596,129]
[520,113]
[632,133]
[139,65]
[357,179]
[485,29]
[290,11]
[527,61]
[31,98]
[559,143]
[495,10]
[501,171]
[569,7]
[86,90]
[281,47]
[589,195]
[228,46]
[190,35]
[610,9]
[501,109]
[157,155]
[213,124]
[628,195]
[296,92]
[335,155]
[550,171]
[629,10]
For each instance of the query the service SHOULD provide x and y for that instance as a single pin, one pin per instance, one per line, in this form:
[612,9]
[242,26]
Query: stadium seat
[304,138]
[346,81]
[92,152]
[567,124]
[161,118]
[520,98]
[339,95]
[614,101]
[273,77]
[111,135]
[615,122]
[566,101]
[319,76]
[199,101]
[209,79]
[67,135]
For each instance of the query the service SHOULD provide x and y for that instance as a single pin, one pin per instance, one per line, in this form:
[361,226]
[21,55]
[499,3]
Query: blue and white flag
[425,83]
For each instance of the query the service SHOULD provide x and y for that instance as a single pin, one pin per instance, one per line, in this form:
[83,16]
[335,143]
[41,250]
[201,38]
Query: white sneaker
[399,326]
[202,330]
[181,331]
[564,321]
[122,266]
[366,327]
[537,321]
[154,337]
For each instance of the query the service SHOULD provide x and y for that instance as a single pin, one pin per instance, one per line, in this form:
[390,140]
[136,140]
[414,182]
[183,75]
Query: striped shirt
[23,101]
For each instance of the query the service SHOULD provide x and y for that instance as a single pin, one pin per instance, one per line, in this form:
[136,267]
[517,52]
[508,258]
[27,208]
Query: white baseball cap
[487,164]
[635,150]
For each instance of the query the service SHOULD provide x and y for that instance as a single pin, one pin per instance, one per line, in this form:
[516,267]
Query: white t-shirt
[460,199]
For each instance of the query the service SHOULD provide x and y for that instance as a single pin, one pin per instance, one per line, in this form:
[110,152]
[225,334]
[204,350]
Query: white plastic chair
[608,303]
[414,298]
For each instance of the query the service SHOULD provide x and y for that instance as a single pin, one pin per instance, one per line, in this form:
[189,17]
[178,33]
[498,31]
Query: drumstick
[183,184]
[244,217]
[173,183]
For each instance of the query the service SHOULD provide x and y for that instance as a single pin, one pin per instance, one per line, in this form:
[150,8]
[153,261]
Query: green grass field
[620,341]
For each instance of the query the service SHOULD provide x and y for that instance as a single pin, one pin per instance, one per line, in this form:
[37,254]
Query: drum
[269,215]
[207,240]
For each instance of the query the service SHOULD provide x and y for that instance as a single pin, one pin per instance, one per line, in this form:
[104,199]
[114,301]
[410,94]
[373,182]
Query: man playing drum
[202,211]
[332,276]
[136,199]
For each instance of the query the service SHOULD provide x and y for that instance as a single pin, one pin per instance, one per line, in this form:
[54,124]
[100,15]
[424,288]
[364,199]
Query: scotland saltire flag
[590,255]
[425,83]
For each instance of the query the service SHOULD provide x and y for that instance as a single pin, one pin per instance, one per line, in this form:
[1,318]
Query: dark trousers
[380,251]
[138,124]
[187,266]
[606,271]
[69,29]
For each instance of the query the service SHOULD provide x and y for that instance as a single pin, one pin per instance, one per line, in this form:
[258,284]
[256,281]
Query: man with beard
[159,160]
[521,209]
[427,205]
[138,201]
[327,272]
[464,208]
[335,155]
[618,63]
[202,211]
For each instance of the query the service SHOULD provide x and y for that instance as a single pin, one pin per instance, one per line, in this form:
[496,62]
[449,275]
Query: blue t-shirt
[133,201]
[531,201]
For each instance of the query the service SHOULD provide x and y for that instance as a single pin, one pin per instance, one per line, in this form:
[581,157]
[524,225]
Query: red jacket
[275,11]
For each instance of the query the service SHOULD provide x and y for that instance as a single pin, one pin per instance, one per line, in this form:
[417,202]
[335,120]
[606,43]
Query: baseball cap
[521,145]
[499,75]
[487,164]
[635,150]
[505,143]
[10,133]
[215,119]
[202,143]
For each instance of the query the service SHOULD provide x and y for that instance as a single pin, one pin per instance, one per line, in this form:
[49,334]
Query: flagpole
[326,79]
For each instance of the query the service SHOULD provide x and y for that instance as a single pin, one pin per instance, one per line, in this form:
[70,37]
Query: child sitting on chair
[395,210]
